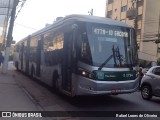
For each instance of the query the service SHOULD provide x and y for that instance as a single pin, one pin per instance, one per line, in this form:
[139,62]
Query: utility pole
[159,27]
[158,40]
[132,14]
[9,37]
[136,18]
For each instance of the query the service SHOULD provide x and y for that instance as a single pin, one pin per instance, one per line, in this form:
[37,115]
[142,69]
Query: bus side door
[22,55]
[38,56]
[27,55]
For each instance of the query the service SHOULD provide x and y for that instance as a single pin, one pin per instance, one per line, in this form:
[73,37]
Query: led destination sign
[116,75]
[110,32]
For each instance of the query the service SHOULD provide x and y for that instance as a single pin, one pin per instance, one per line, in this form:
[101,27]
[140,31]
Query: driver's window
[84,48]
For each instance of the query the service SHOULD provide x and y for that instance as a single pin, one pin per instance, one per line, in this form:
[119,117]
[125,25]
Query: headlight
[86,73]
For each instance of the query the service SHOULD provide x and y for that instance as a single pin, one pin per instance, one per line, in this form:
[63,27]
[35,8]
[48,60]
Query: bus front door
[67,63]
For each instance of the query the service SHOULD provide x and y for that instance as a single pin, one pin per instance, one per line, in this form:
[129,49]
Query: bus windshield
[100,41]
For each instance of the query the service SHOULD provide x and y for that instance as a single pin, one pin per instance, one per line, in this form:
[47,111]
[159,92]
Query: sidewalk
[12,96]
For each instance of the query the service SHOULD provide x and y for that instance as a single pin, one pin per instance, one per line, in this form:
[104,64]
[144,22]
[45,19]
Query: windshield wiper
[108,59]
[103,64]
[118,55]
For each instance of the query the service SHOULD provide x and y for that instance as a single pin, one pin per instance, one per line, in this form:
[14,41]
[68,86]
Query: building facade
[144,15]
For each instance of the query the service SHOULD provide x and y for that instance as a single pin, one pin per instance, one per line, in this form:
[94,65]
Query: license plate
[115,91]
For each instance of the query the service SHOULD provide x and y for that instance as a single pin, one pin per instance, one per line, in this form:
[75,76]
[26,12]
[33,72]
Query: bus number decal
[127,75]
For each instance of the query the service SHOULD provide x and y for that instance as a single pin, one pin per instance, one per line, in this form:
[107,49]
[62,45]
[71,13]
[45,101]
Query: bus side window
[53,45]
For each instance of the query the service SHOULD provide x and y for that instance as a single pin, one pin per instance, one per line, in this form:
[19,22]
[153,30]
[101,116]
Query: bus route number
[111,32]
[127,75]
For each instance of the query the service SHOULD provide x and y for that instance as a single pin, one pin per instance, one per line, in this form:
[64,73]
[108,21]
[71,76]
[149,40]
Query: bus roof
[96,19]
[85,18]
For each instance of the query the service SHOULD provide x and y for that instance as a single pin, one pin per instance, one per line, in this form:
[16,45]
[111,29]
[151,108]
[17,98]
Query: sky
[35,14]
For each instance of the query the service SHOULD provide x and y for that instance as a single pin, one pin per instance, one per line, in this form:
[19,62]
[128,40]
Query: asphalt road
[51,101]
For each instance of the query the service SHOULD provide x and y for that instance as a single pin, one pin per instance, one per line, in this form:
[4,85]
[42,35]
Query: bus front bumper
[87,86]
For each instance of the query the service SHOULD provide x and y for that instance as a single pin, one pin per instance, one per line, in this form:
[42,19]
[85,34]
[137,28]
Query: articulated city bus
[81,55]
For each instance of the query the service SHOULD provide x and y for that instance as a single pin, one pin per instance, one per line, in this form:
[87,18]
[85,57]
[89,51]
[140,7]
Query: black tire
[146,92]
[55,81]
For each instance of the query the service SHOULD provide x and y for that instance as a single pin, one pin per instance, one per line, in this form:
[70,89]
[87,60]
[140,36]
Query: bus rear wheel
[32,72]
[55,81]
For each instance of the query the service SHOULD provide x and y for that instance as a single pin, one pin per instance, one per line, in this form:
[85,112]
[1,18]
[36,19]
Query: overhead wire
[26,26]
[21,6]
